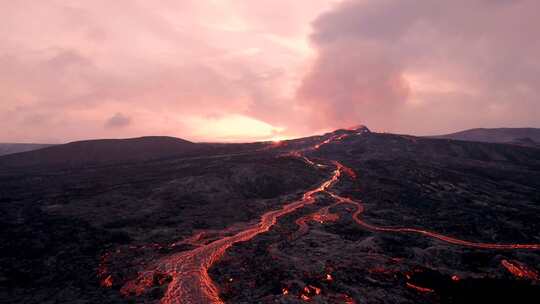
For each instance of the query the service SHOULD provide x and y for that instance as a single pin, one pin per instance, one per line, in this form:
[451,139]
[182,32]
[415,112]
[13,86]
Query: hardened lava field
[347,217]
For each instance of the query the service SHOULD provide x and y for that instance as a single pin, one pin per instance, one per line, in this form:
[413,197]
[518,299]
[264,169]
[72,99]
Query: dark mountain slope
[102,151]
[12,148]
[517,136]
[66,230]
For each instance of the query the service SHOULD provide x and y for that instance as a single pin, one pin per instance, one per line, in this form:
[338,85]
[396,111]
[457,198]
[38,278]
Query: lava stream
[321,216]
[441,237]
[189,270]
[519,270]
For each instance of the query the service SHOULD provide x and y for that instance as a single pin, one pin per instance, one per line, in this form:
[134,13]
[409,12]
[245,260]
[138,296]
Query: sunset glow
[234,128]
[262,70]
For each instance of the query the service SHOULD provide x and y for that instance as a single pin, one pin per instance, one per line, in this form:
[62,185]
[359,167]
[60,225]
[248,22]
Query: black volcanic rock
[57,224]
[78,221]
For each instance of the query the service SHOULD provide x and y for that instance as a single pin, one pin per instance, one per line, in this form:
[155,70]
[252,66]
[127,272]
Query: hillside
[102,151]
[12,148]
[518,136]
[350,216]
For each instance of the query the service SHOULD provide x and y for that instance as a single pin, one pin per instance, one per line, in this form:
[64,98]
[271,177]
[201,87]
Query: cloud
[118,120]
[426,66]
[172,64]
[353,82]
[179,66]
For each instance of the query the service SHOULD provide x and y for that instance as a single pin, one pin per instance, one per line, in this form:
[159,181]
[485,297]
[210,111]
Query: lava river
[189,270]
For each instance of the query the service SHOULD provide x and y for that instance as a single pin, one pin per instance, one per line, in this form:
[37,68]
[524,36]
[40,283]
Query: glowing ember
[314,289]
[329,277]
[348,300]
[107,282]
[285,291]
[455,278]
[103,271]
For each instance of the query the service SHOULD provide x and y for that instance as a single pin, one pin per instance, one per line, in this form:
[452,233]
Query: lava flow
[441,237]
[520,271]
[419,288]
[321,216]
[189,270]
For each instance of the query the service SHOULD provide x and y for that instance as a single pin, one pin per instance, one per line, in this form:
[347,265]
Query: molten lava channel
[189,270]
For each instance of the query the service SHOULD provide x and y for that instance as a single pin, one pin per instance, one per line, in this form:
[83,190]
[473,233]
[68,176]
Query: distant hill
[11,148]
[519,136]
[102,151]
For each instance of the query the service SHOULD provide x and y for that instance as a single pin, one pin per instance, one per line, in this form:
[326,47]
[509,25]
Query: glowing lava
[322,216]
[189,270]
[420,288]
[519,270]
[441,237]
[190,282]
[107,282]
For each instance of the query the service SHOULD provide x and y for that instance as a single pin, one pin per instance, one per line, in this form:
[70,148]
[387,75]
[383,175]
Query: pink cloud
[427,67]
[69,66]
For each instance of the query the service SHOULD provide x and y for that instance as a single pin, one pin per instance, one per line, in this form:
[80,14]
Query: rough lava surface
[346,217]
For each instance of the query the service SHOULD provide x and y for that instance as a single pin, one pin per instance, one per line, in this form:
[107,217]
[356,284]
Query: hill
[102,151]
[518,136]
[12,148]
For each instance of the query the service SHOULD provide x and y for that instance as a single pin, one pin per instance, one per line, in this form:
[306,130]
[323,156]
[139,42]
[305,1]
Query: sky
[244,70]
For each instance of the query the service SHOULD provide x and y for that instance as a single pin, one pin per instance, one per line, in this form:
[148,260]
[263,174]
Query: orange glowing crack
[519,270]
[419,288]
[441,237]
[107,282]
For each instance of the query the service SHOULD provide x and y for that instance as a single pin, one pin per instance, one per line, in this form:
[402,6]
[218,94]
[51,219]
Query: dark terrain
[95,221]
[529,137]
[12,148]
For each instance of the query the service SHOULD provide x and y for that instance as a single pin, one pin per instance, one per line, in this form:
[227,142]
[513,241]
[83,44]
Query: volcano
[351,216]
